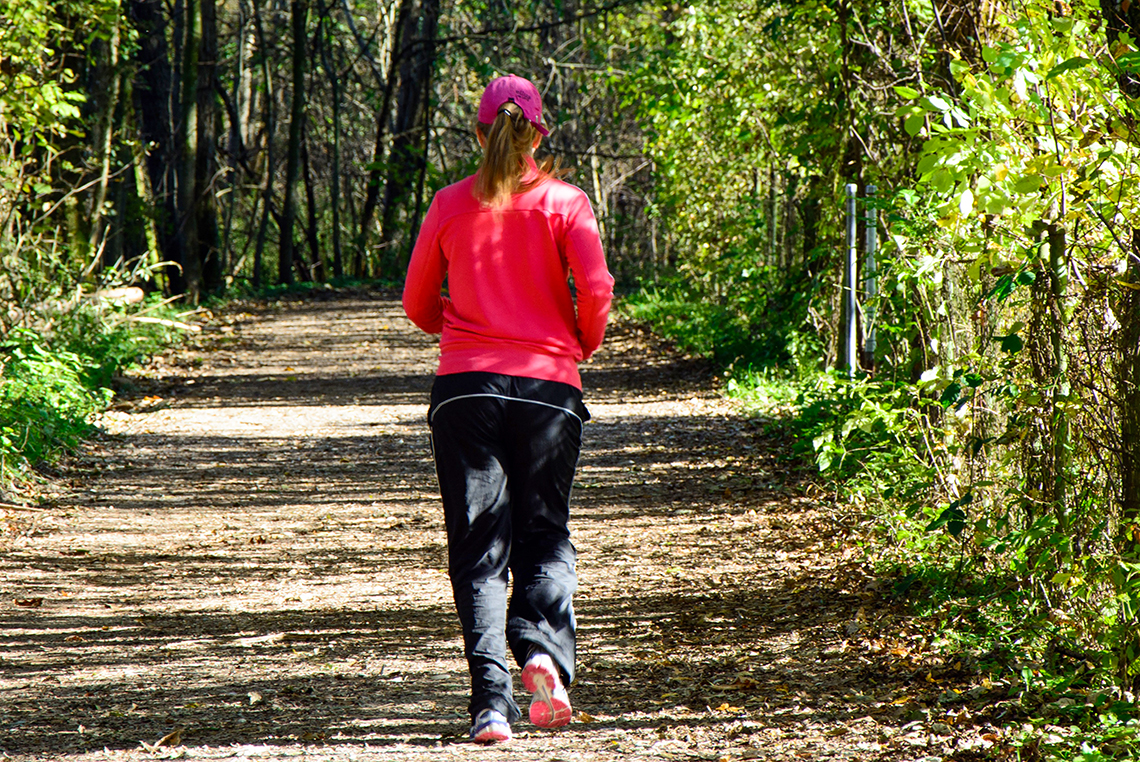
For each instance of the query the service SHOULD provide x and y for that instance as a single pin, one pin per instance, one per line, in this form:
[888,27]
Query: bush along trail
[250,564]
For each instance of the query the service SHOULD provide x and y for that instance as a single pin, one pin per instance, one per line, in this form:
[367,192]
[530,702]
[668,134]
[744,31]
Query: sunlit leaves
[936,103]
[39,96]
[1013,138]
[32,94]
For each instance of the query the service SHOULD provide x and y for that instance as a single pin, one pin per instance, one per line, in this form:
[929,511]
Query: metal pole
[870,272]
[852,263]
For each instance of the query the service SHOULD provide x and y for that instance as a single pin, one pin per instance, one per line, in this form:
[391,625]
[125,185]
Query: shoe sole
[546,710]
[492,732]
[491,735]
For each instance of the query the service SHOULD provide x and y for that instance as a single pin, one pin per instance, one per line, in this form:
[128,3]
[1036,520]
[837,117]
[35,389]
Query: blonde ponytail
[510,140]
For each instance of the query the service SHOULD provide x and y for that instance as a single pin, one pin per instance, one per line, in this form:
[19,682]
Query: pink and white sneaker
[549,704]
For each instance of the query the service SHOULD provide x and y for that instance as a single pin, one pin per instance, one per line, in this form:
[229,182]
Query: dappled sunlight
[267,571]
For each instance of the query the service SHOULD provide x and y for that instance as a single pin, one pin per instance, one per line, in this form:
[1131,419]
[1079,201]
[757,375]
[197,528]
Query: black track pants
[505,451]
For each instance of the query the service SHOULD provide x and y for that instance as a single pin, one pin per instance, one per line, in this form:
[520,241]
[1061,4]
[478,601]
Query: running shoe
[549,704]
[490,727]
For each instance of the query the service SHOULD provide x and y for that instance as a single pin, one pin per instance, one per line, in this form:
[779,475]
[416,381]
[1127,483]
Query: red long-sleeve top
[508,307]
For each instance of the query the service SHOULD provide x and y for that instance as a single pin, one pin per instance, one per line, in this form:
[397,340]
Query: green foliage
[36,104]
[45,406]
[765,392]
[984,438]
[746,326]
[1033,142]
[43,44]
[714,128]
[992,364]
[52,386]
[110,340]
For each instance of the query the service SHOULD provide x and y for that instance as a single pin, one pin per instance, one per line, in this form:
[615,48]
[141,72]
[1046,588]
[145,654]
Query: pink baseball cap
[517,90]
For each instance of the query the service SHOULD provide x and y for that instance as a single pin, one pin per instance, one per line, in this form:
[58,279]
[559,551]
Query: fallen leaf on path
[173,738]
[726,707]
[29,603]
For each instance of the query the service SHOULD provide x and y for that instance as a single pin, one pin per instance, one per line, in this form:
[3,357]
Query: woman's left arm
[592,280]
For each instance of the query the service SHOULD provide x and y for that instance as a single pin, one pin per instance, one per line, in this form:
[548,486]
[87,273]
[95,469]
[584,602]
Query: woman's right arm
[423,303]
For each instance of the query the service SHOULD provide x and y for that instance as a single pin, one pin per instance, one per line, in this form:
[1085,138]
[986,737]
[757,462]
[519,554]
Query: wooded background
[195,147]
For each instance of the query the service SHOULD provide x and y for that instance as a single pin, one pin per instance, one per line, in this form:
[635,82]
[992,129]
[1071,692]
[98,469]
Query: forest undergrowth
[973,601]
[59,370]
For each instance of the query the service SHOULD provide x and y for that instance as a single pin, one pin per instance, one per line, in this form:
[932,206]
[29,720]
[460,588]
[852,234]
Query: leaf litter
[253,555]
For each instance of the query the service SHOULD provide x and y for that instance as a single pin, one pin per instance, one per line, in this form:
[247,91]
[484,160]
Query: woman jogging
[506,410]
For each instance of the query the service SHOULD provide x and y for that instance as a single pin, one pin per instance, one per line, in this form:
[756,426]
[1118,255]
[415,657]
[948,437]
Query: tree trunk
[417,213]
[775,251]
[850,169]
[157,277]
[328,57]
[243,82]
[134,241]
[188,164]
[372,193]
[1059,286]
[105,97]
[153,94]
[206,164]
[1123,18]
[235,140]
[270,159]
[298,10]
[1128,383]
[409,150]
[318,269]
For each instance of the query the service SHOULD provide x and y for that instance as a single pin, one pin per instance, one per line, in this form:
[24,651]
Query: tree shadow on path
[260,559]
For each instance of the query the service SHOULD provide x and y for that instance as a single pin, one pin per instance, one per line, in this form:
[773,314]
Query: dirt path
[256,556]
